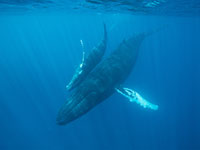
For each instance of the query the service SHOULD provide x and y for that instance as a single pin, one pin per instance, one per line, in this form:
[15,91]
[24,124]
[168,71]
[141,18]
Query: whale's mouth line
[63,120]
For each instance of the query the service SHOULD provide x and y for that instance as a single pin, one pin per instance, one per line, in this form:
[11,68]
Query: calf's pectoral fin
[133,96]
[76,79]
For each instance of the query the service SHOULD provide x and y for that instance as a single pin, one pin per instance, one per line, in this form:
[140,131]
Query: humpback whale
[88,63]
[103,80]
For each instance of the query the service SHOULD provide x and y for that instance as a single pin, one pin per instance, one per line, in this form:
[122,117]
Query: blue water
[39,51]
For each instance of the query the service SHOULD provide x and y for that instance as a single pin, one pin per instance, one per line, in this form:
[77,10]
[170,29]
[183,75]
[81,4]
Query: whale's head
[80,102]
[65,114]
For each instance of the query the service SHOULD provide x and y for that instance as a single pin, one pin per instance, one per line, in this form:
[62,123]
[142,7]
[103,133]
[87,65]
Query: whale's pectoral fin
[77,77]
[133,96]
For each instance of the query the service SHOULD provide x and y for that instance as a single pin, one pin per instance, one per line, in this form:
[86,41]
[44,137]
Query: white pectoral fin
[76,77]
[83,57]
[133,96]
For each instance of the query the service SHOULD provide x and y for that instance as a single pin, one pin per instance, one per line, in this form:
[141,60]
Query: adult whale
[104,80]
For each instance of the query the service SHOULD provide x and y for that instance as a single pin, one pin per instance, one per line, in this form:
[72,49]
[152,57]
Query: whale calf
[106,78]
[88,63]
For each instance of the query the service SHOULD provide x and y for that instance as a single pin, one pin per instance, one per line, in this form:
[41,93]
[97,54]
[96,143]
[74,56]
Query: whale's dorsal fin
[133,96]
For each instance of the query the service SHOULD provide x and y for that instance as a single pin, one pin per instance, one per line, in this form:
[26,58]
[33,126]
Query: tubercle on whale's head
[65,114]
[64,119]
[61,120]
[78,104]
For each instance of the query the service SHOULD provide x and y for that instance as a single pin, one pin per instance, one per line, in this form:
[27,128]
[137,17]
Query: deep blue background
[39,53]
